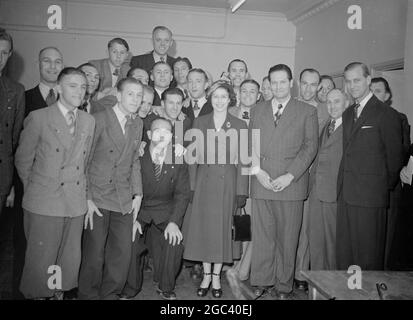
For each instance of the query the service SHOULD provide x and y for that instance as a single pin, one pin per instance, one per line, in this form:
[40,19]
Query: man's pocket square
[367,127]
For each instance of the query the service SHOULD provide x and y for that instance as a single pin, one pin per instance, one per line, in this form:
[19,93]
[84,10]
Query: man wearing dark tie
[162,42]
[323,186]
[197,86]
[114,195]
[45,93]
[166,196]
[372,160]
[51,162]
[284,150]
[161,76]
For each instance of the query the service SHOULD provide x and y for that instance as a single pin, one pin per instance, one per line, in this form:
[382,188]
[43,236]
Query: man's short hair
[157,118]
[49,48]
[148,88]
[345,94]
[161,28]
[6,37]
[386,88]
[198,70]
[132,70]
[353,65]
[69,71]
[252,81]
[183,59]
[281,67]
[87,64]
[121,84]
[265,78]
[310,70]
[327,77]
[161,63]
[237,60]
[172,91]
[118,41]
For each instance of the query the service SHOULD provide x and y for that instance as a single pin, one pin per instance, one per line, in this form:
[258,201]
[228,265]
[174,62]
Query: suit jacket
[102,104]
[146,61]
[206,109]
[289,147]
[114,172]
[372,155]
[165,200]
[406,134]
[51,163]
[103,67]
[11,121]
[34,100]
[324,171]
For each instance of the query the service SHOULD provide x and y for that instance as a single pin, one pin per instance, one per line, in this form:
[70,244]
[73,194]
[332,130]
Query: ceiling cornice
[306,11]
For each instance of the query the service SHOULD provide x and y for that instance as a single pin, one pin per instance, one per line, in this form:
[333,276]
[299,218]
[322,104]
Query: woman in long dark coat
[219,185]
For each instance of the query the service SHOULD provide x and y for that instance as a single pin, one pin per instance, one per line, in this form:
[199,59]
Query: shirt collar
[159,92]
[64,110]
[338,123]
[119,114]
[275,104]
[44,90]
[201,101]
[365,100]
[157,57]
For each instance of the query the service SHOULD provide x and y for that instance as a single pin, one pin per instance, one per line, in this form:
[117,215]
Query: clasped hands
[276,185]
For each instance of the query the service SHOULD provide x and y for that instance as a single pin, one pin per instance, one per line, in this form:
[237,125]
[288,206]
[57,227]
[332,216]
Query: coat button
[111,151]
[110,181]
[77,167]
[62,184]
[62,168]
[57,150]
[77,183]
[1,141]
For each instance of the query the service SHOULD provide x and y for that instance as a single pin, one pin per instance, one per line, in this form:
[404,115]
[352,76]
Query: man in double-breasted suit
[114,194]
[113,68]
[285,148]
[323,186]
[372,160]
[11,119]
[166,196]
[51,160]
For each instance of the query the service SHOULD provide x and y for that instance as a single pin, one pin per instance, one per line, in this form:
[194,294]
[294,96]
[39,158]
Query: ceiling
[287,7]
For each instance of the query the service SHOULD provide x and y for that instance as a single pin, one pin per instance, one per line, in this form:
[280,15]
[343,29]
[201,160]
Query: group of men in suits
[316,201]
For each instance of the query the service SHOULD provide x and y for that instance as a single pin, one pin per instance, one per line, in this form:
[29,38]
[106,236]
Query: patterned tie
[116,72]
[51,97]
[157,168]
[356,107]
[162,59]
[70,119]
[277,115]
[196,107]
[245,115]
[331,127]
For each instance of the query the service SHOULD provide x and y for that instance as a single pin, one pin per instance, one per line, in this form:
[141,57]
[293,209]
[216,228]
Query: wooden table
[332,285]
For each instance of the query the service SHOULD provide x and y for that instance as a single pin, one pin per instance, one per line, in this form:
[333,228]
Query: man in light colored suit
[51,160]
[113,68]
[323,186]
[286,147]
[114,195]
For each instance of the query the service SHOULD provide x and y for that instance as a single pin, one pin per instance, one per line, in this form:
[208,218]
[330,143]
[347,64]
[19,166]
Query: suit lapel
[3,97]
[106,72]
[114,130]
[130,139]
[59,126]
[367,112]
[80,133]
[206,109]
[327,141]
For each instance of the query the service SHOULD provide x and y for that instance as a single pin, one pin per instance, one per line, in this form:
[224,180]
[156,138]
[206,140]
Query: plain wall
[325,42]
[210,38]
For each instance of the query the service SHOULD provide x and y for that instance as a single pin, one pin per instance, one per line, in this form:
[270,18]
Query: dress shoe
[202,292]
[284,295]
[216,293]
[196,272]
[168,295]
[301,285]
[70,295]
[125,297]
[261,291]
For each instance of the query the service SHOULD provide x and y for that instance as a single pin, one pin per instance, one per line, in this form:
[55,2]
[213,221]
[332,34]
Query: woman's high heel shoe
[202,292]
[216,293]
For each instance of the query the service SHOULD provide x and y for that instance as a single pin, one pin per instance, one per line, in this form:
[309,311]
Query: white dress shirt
[64,110]
[363,103]
[120,116]
[44,90]
[201,102]
[275,104]
[114,78]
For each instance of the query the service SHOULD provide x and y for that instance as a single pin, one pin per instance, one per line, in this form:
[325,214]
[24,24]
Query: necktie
[162,59]
[157,168]
[277,115]
[245,115]
[128,122]
[116,72]
[51,97]
[70,119]
[331,127]
[356,107]
[83,106]
[196,107]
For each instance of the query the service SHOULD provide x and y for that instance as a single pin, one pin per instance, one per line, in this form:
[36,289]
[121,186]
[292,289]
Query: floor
[185,286]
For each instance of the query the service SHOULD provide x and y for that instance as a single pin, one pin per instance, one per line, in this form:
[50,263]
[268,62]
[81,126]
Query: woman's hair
[389,101]
[226,86]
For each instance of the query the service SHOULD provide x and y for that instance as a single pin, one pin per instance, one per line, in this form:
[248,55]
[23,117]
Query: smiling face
[50,65]
[357,84]
[117,54]
[237,73]
[72,89]
[5,53]
[181,70]
[308,85]
[326,85]
[280,85]
[161,76]
[379,90]
[146,104]
[249,94]
[92,77]
[220,100]
[172,105]
[197,84]
[336,103]
[162,41]
[130,98]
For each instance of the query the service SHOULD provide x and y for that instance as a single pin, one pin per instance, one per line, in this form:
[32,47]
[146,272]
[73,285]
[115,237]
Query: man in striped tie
[51,160]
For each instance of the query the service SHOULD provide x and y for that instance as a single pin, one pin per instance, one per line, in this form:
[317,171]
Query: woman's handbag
[241,225]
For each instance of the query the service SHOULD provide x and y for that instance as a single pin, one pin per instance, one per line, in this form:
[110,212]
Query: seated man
[161,76]
[113,68]
[166,197]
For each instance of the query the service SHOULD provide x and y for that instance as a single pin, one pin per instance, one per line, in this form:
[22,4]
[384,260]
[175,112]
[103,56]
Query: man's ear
[119,96]
[149,133]
[259,96]
[59,88]
[151,76]
[386,96]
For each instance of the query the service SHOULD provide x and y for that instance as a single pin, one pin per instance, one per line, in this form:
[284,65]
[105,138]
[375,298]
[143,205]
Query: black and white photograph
[206,154]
